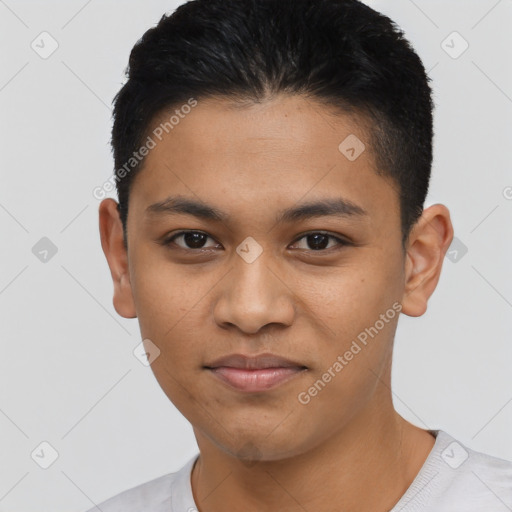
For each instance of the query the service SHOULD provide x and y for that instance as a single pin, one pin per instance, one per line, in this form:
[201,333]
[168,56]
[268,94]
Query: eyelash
[341,242]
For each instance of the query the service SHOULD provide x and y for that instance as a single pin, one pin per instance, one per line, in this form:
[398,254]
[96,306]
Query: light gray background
[67,372]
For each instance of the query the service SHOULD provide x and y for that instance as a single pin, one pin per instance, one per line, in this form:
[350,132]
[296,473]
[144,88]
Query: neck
[366,466]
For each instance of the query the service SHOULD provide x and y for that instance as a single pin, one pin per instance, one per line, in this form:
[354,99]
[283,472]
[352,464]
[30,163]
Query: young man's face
[306,299]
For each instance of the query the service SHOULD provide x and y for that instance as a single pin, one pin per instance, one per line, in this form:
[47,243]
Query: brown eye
[320,241]
[191,240]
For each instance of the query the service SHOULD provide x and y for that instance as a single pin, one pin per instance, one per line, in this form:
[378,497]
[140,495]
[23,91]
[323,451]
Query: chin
[258,446]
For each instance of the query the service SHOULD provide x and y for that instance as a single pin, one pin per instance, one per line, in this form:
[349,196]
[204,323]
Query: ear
[428,242]
[111,234]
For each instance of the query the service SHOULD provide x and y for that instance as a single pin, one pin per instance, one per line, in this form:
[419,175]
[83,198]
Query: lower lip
[255,380]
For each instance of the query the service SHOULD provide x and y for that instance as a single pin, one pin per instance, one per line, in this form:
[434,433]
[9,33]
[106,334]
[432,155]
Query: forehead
[245,158]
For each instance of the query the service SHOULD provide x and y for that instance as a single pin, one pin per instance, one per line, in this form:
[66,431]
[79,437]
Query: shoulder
[153,496]
[470,480]
[145,496]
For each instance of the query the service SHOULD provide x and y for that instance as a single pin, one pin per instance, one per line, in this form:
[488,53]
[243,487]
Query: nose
[254,295]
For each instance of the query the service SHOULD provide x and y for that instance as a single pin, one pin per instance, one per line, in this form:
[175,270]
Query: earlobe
[429,240]
[111,234]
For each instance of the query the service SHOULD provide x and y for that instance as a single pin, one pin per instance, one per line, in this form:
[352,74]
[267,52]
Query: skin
[347,449]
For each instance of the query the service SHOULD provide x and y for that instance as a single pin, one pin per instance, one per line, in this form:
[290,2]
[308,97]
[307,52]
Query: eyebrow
[338,207]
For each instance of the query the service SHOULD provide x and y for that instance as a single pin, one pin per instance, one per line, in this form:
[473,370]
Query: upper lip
[254,362]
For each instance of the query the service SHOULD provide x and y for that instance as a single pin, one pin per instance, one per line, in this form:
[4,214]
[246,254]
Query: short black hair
[338,52]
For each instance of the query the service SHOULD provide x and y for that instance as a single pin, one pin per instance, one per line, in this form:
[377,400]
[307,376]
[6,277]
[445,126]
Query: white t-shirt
[453,478]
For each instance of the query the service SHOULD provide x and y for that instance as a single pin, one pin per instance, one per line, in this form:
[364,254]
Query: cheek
[355,310]
[161,292]
[332,300]
[346,299]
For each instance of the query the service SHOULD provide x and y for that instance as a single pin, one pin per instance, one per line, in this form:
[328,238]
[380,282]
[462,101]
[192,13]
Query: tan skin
[347,449]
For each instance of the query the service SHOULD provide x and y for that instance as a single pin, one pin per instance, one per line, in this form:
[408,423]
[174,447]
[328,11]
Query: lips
[254,373]
[260,362]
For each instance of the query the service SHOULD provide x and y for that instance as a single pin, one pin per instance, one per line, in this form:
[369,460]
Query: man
[272,162]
